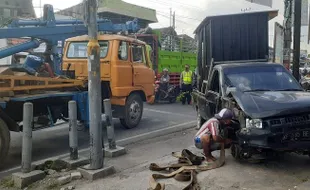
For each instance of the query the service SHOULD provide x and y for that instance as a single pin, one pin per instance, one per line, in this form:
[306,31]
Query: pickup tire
[133,111]
[235,152]
[4,141]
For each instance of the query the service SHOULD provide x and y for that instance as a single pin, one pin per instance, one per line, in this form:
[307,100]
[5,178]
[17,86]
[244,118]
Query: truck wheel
[4,141]
[133,111]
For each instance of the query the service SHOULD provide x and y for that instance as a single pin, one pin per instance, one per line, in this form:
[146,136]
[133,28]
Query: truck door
[213,94]
[143,76]
[121,69]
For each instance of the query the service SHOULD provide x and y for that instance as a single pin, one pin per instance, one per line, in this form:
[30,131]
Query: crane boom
[51,31]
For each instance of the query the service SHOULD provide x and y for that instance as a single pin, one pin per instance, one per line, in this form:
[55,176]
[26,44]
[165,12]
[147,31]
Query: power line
[175,19]
[181,16]
[178,3]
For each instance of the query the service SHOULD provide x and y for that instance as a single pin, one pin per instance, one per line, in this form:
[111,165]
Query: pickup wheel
[235,152]
[4,141]
[133,111]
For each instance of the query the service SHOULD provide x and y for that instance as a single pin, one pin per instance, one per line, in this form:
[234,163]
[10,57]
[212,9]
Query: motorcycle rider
[164,82]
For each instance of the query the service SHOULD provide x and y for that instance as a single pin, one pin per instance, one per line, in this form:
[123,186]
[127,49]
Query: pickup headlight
[254,123]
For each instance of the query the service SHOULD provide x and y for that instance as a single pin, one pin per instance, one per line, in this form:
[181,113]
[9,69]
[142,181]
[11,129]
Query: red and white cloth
[210,127]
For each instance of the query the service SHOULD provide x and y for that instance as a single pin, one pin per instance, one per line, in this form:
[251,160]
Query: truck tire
[133,111]
[4,141]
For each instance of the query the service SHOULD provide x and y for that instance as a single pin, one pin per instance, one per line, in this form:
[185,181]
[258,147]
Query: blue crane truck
[51,96]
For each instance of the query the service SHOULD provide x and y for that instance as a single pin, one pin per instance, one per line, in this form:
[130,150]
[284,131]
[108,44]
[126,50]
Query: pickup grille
[297,119]
[289,123]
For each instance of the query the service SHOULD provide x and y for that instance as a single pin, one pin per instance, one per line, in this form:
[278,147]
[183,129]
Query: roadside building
[15,8]
[10,9]
[117,11]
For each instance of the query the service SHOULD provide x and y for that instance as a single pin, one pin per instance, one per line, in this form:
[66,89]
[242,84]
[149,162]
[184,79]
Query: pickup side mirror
[230,89]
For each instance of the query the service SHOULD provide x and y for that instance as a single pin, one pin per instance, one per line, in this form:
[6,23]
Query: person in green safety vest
[186,84]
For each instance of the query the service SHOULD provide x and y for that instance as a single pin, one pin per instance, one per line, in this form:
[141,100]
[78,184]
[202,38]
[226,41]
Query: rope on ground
[186,169]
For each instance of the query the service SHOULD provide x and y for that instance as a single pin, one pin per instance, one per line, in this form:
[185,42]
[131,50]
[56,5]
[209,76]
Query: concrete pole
[94,87]
[297,28]
[287,33]
[110,125]
[73,134]
[27,137]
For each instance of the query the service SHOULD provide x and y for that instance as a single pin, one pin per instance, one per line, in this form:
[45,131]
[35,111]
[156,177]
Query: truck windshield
[261,78]
[79,49]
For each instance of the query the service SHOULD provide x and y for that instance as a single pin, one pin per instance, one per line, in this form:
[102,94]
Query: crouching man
[210,138]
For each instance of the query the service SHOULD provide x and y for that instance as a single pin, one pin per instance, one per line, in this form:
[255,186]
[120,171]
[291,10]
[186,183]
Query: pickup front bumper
[297,140]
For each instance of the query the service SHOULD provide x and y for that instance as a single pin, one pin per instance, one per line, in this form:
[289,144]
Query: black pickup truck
[270,106]
[272,111]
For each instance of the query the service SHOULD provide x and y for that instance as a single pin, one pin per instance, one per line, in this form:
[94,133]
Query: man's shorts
[214,146]
[198,142]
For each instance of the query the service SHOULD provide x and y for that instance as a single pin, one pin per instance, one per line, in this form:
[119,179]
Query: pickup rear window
[79,49]
[264,78]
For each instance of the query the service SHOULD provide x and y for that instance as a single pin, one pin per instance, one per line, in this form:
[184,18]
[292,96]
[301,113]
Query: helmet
[165,69]
[225,114]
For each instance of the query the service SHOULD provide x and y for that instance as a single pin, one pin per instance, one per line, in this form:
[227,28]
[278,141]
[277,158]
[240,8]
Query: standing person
[209,136]
[186,82]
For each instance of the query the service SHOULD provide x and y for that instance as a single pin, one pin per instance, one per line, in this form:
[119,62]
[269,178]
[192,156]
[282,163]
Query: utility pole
[173,20]
[94,86]
[287,33]
[297,27]
[170,16]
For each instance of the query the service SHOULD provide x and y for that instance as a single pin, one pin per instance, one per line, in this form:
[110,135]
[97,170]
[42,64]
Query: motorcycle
[165,94]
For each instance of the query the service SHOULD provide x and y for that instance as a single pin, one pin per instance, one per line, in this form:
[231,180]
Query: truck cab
[126,73]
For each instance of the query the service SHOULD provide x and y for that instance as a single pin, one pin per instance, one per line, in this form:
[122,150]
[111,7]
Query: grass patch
[7,182]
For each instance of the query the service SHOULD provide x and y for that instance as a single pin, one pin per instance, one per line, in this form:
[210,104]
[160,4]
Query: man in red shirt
[209,133]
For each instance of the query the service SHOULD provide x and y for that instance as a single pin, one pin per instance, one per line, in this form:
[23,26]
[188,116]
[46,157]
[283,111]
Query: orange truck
[126,74]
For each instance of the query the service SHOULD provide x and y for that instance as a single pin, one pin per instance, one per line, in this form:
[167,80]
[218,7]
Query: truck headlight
[254,123]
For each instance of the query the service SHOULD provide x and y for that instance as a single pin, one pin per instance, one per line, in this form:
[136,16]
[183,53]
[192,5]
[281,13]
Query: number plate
[297,136]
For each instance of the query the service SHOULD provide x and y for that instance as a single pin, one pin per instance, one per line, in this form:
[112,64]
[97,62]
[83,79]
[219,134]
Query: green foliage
[181,96]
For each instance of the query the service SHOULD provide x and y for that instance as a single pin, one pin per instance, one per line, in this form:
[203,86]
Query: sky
[188,14]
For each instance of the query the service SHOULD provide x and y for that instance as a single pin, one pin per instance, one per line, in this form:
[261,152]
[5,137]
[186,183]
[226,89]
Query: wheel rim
[135,111]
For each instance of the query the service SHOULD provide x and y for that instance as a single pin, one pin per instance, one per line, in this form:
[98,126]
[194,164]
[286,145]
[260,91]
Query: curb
[121,142]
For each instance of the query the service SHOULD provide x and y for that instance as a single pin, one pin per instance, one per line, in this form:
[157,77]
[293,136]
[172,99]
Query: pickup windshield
[260,78]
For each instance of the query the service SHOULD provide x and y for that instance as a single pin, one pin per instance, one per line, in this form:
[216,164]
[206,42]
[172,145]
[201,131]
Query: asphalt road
[289,171]
[55,141]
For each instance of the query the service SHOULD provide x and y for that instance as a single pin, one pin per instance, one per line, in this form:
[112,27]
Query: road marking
[121,142]
[166,112]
